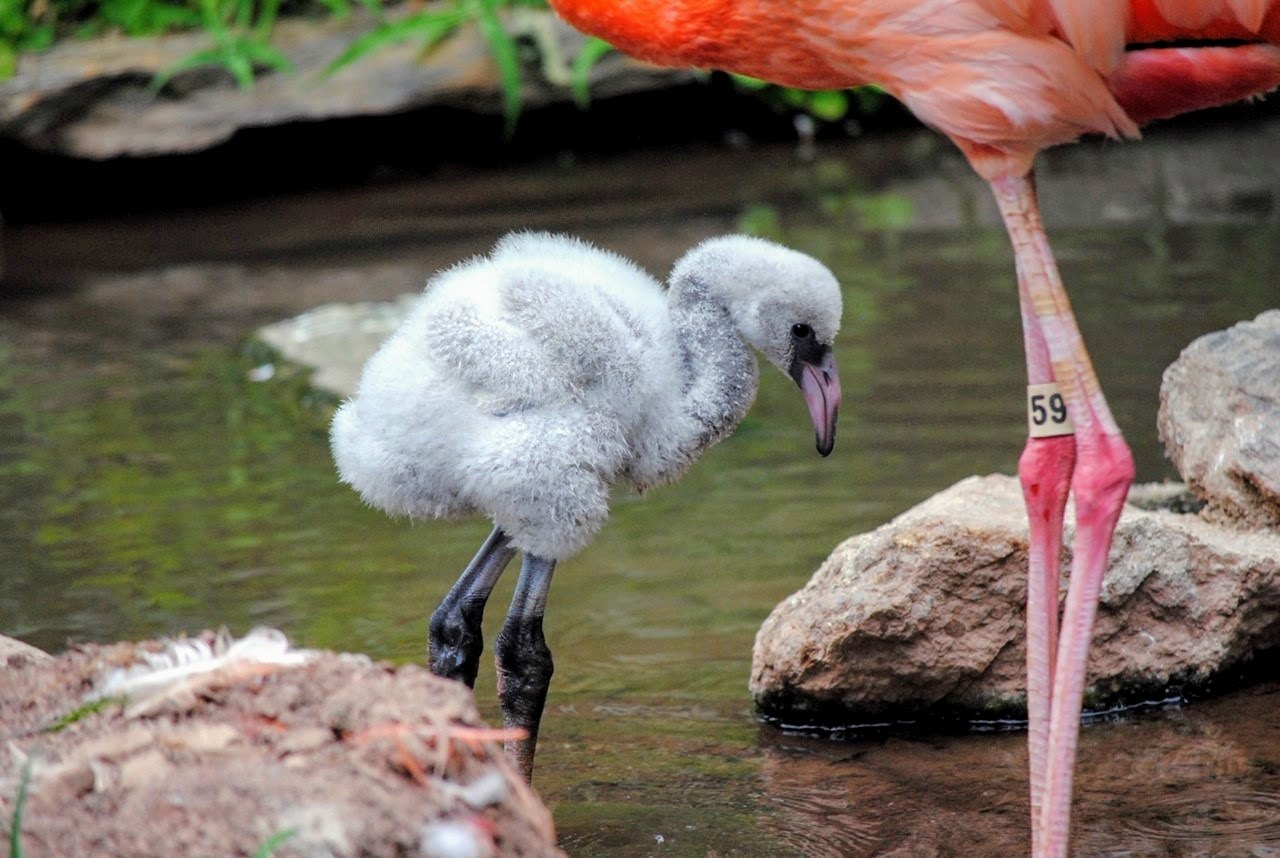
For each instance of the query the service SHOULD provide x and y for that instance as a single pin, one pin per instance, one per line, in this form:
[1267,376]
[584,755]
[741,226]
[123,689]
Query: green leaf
[592,52]
[12,17]
[211,18]
[750,83]
[19,803]
[196,59]
[240,67]
[266,19]
[273,842]
[340,9]
[431,27]
[170,16]
[243,18]
[829,105]
[503,49]
[37,38]
[83,711]
[261,53]
[869,97]
[795,98]
[128,15]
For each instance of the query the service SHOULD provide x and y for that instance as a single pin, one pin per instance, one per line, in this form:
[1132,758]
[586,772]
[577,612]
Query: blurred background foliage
[239,34]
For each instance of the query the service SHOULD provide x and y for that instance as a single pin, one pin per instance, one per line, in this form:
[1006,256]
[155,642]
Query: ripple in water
[1223,823]
[825,826]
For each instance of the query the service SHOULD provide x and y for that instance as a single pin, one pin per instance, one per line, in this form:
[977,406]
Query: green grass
[239,31]
[239,35]
[24,780]
[825,105]
[437,22]
[19,803]
[274,842]
[83,711]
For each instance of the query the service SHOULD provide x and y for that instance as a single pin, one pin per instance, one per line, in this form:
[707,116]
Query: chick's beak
[820,382]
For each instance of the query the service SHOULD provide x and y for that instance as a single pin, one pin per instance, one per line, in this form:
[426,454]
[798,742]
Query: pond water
[151,486]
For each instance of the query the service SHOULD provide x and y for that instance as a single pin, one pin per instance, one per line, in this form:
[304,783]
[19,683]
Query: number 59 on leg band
[1047,412]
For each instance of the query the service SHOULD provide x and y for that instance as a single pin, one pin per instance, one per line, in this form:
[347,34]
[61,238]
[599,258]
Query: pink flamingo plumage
[1003,79]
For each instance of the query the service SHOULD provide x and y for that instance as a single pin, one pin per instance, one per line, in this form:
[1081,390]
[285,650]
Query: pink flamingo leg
[1103,474]
[1045,472]
[1096,464]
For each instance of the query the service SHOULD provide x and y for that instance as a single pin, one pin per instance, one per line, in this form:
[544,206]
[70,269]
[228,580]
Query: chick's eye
[801,331]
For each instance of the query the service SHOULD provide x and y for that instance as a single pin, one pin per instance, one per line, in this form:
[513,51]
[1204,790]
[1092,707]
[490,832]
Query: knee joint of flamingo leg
[524,668]
[1102,478]
[1045,470]
[454,643]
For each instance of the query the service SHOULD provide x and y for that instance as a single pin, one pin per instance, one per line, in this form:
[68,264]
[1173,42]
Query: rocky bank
[924,617]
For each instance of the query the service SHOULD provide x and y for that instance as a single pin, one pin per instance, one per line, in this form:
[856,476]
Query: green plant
[341,9]
[273,842]
[145,17]
[828,105]
[241,33]
[20,30]
[503,48]
[83,711]
[592,52]
[433,25]
[19,803]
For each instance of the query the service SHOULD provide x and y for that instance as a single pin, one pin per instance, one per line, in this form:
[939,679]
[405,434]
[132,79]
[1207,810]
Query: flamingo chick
[527,382]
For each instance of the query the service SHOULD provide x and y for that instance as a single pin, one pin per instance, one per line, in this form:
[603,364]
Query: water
[151,487]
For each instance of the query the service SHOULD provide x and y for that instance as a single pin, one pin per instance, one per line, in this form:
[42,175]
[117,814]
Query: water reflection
[149,486]
[1200,781]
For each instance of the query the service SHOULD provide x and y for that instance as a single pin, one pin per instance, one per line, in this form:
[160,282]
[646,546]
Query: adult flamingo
[1003,79]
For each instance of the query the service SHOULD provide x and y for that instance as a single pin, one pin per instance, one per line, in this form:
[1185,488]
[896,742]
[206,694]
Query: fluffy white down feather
[526,382]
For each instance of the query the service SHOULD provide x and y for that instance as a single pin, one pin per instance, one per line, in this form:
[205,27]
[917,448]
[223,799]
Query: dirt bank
[312,753]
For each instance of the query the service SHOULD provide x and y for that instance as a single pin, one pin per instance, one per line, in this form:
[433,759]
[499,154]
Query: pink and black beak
[813,366]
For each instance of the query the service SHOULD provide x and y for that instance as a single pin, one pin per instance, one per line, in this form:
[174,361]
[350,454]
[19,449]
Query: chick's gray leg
[455,640]
[524,661]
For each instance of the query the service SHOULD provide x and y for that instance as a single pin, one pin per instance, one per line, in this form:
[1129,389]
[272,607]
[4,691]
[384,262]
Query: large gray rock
[91,99]
[1220,420]
[924,617]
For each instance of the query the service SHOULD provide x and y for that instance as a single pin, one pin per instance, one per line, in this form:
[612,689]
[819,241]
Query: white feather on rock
[182,660]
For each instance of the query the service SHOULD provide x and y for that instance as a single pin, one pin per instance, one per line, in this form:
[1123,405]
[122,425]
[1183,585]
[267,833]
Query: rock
[924,617]
[327,755]
[92,98]
[337,339]
[15,654]
[1220,420]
